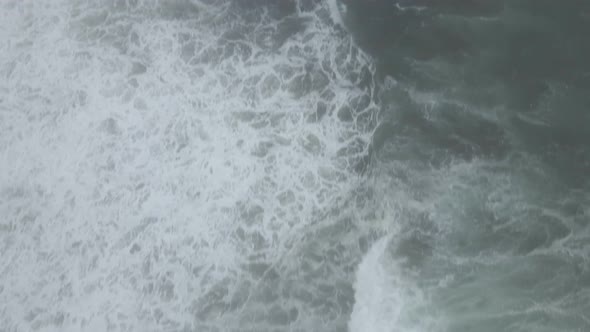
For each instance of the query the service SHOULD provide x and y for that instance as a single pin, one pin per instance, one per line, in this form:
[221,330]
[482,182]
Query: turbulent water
[233,165]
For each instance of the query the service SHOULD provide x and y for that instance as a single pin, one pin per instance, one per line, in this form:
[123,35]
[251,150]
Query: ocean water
[341,165]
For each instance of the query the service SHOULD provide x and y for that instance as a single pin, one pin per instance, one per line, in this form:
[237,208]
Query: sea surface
[281,165]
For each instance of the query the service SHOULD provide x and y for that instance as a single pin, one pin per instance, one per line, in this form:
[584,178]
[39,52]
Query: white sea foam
[385,298]
[377,306]
[155,166]
[335,8]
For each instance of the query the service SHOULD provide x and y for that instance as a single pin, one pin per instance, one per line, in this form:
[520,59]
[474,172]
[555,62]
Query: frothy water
[386,299]
[165,165]
[198,165]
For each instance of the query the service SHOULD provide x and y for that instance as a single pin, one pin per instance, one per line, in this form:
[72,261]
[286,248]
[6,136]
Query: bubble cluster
[166,164]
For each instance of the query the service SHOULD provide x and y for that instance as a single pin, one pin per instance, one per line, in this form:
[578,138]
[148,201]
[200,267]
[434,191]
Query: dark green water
[503,76]
[485,145]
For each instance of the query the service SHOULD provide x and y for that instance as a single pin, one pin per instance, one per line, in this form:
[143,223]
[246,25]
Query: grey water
[485,116]
[342,165]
